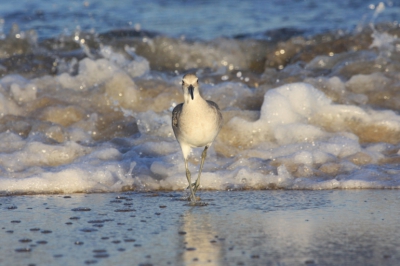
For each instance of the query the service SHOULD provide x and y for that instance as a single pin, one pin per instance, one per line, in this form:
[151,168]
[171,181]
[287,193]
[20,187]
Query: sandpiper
[196,123]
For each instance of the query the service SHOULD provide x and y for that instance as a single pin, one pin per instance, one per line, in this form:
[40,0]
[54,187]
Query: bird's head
[190,86]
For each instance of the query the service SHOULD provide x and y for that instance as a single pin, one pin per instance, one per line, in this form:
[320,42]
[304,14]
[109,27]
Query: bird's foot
[198,203]
[193,199]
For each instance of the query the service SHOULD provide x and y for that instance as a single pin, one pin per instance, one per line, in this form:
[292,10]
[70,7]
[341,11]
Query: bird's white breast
[199,123]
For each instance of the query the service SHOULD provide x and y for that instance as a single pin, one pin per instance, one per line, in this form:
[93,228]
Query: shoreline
[283,227]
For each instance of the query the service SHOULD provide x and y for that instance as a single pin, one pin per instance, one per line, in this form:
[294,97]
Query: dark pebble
[162,206]
[79,243]
[23,250]
[125,210]
[15,221]
[120,197]
[12,207]
[191,249]
[41,242]
[34,229]
[81,209]
[67,197]
[75,218]
[182,232]
[99,251]
[25,240]
[88,230]
[90,262]
[96,221]
[101,256]
[46,232]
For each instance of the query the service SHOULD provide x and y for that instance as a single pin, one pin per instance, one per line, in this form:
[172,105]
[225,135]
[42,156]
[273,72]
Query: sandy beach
[346,227]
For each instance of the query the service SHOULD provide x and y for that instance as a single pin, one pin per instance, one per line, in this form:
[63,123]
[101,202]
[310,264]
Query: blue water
[202,19]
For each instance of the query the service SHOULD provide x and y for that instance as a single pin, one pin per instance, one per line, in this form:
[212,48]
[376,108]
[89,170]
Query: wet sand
[340,227]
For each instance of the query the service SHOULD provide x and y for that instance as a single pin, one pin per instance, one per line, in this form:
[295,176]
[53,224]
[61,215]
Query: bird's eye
[197,81]
[183,83]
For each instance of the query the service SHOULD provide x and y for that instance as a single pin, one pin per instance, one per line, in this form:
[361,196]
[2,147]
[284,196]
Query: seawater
[86,106]
[201,19]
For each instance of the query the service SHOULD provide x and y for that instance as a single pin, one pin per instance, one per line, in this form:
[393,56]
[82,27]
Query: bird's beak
[191,88]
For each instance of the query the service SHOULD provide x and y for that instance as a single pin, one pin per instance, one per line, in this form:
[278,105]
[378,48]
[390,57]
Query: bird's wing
[217,110]
[213,104]
[175,115]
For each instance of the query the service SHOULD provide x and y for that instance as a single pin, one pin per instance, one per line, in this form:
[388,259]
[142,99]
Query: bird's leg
[203,157]
[188,176]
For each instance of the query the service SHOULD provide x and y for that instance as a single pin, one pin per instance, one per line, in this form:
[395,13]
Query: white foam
[367,83]
[299,139]
[8,107]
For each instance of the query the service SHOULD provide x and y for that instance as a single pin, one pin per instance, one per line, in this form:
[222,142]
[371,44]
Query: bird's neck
[197,99]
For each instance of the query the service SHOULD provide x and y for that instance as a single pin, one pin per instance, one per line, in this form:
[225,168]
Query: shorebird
[196,123]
